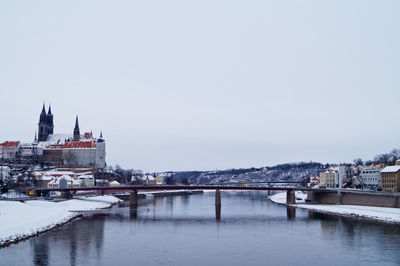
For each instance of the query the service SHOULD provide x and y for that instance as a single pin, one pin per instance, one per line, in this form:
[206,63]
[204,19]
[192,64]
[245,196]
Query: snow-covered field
[391,215]
[21,220]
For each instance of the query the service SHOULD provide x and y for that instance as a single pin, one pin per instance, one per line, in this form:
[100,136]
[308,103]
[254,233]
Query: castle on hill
[67,149]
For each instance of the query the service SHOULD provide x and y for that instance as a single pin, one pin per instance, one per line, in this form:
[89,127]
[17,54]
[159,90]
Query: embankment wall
[354,198]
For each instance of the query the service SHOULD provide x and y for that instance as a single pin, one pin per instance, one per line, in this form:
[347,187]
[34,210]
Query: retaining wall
[354,198]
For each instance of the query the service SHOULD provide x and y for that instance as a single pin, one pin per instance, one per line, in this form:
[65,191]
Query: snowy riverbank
[21,220]
[382,214]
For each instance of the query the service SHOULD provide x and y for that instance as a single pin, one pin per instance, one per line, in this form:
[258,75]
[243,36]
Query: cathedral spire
[49,113]
[43,109]
[77,134]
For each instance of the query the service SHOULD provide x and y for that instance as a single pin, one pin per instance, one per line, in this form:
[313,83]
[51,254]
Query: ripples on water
[182,230]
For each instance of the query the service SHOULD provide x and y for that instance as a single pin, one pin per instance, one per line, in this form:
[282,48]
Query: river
[182,230]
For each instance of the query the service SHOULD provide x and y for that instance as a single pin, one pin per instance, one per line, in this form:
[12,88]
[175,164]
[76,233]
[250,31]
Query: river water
[182,230]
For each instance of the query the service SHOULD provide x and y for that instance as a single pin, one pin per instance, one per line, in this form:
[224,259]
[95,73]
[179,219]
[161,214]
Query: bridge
[290,194]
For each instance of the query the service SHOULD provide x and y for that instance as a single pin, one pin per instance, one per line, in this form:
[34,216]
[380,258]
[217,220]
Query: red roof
[87,135]
[9,143]
[74,145]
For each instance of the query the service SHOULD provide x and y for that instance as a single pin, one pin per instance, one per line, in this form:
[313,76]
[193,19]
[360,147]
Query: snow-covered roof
[391,169]
[150,177]
[74,145]
[66,177]
[115,182]
[86,177]
[54,139]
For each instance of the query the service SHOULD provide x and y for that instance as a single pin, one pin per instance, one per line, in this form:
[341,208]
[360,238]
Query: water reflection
[41,252]
[75,239]
[291,212]
[250,225]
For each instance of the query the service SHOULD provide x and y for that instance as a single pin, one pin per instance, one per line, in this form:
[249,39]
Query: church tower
[77,134]
[100,152]
[43,126]
[49,118]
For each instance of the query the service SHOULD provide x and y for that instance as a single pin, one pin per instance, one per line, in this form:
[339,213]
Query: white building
[86,180]
[4,172]
[25,150]
[86,151]
[371,177]
[64,181]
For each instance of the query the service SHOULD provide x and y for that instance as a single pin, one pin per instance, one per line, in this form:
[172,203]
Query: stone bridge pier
[218,205]
[133,204]
[290,197]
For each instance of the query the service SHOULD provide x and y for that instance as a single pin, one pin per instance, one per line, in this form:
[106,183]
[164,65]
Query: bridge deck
[155,188]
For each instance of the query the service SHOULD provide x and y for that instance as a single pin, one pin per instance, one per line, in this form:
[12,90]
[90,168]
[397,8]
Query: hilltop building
[68,149]
[57,149]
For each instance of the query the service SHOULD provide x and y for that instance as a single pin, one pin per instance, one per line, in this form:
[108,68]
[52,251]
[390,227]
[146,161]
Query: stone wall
[354,198]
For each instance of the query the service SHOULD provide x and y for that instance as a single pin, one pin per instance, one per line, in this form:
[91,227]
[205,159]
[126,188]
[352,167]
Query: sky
[203,85]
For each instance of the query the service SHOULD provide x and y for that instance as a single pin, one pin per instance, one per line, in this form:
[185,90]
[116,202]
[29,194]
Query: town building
[390,178]
[9,149]
[86,180]
[64,181]
[371,177]
[159,180]
[327,178]
[148,180]
[4,172]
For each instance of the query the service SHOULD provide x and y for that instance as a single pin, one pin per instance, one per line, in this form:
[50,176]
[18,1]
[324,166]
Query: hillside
[283,172]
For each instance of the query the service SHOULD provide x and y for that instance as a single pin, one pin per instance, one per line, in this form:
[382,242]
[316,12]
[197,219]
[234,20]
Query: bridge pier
[290,197]
[133,199]
[218,205]
[311,196]
[340,198]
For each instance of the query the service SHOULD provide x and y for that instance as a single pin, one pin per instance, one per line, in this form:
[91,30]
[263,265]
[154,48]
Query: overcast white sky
[193,85]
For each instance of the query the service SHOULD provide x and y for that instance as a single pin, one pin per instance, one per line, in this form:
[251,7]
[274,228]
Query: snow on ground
[12,195]
[383,214]
[19,220]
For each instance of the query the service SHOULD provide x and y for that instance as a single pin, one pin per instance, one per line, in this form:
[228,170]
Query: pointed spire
[101,134]
[43,109]
[35,135]
[77,134]
[49,113]
[76,122]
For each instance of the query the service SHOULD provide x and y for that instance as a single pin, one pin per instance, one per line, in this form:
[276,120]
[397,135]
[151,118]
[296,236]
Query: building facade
[327,178]
[390,178]
[371,177]
[9,149]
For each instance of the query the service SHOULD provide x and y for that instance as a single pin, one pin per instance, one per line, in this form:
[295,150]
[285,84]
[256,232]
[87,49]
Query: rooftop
[391,169]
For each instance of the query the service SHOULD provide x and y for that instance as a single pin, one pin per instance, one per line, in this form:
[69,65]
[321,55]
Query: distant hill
[281,172]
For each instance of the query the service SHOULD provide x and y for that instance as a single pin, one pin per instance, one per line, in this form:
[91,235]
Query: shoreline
[16,226]
[383,215]
[16,240]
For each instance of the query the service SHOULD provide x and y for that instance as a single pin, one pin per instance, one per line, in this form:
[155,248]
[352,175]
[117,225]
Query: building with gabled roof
[68,149]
